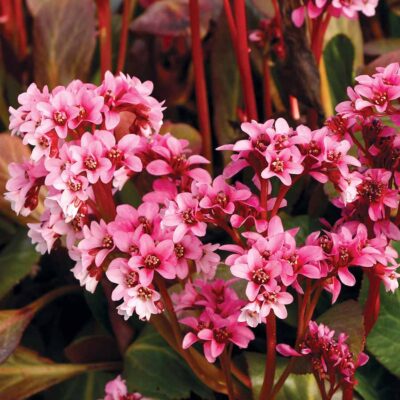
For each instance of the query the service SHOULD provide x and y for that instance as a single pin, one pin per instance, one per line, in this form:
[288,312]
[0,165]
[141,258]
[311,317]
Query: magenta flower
[175,162]
[58,113]
[153,258]
[224,331]
[182,214]
[188,248]
[282,165]
[274,300]
[221,196]
[259,273]
[90,157]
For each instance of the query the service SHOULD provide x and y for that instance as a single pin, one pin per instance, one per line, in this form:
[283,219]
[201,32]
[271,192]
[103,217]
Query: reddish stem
[267,88]
[372,305]
[270,361]
[123,39]
[200,80]
[104,15]
[294,108]
[21,29]
[104,200]
[348,392]
[225,365]
[264,197]
[244,59]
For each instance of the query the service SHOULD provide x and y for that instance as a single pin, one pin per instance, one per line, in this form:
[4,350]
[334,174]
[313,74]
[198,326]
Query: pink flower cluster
[211,310]
[331,359]
[89,141]
[117,390]
[336,8]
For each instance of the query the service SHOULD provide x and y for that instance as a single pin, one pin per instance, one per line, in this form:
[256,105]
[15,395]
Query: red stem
[267,89]
[21,29]
[264,197]
[200,80]
[294,108]
[104,15]
[372,305]
[270,361]
[244,59]
[123,39]
[104,200]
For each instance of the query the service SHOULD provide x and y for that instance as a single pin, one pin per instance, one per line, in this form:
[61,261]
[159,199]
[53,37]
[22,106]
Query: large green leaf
[383,341]
[339,61]
[64,36]
[296,387]
[16,261]
[225,88]
[152,368]
[347,317]
[26,373]
[89,386]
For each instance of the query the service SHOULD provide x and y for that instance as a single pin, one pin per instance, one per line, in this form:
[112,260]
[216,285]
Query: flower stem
[270,361]
[267,88]
[264,197]
[104,15]
[225,365]
[200,80]
[129,6]
[244,59]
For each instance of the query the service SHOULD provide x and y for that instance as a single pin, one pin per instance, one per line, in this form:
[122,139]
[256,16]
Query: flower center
[146,225]
[221,335]
[43,142]
[380,99]
[344,256]
[277,165]
[75,186]
[151,261]
[222,199]
[333,156]
[90,163]
[188,217]
[260,277]
[131,279]
[271,297]
[144,293]
[262,142]
[371,190]
[179,250]
[325,243]
[60,117]
[108,242]
[114,154]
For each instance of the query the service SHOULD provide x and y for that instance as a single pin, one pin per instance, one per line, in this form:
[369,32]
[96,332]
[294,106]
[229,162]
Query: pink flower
[208,261]
[261,274]
[221,196]
[188,248]
[182,214]
[142,300]
[117,390]
[96,245]
[124,275]
[90,157]
[175,162]
[153,258]
[274,300]
[58,113]
[224,331]
[282,165]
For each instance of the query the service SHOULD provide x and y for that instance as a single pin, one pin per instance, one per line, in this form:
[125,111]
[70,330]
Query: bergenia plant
[213,261]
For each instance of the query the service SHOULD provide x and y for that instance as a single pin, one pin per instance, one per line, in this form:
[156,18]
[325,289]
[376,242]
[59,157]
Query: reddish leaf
[64,34]
[171,17]
[95,348]
[26,373]
[382,61]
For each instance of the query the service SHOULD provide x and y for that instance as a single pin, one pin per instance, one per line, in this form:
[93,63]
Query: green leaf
[346,318]
[383,341]
[98,305]
[26,373]
[152,368]
[16,261]
[296,387]
[64,37]
[339,61]
[225,88]
[89,386]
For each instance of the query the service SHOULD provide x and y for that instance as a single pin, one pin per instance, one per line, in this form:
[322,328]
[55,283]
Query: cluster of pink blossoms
[117,390]
[331,360]
[89,141]
[335,8]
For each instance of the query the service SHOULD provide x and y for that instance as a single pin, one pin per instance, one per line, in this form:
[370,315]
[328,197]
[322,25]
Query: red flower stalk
[104,13]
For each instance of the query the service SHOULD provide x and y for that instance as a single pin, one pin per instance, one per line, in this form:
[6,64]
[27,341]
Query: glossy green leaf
[64,37]
[339,61]
[383,341]
[346,317]
[296,387]
[152,368]
[16,261]
[26,373]
[88,386]
[225,88]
